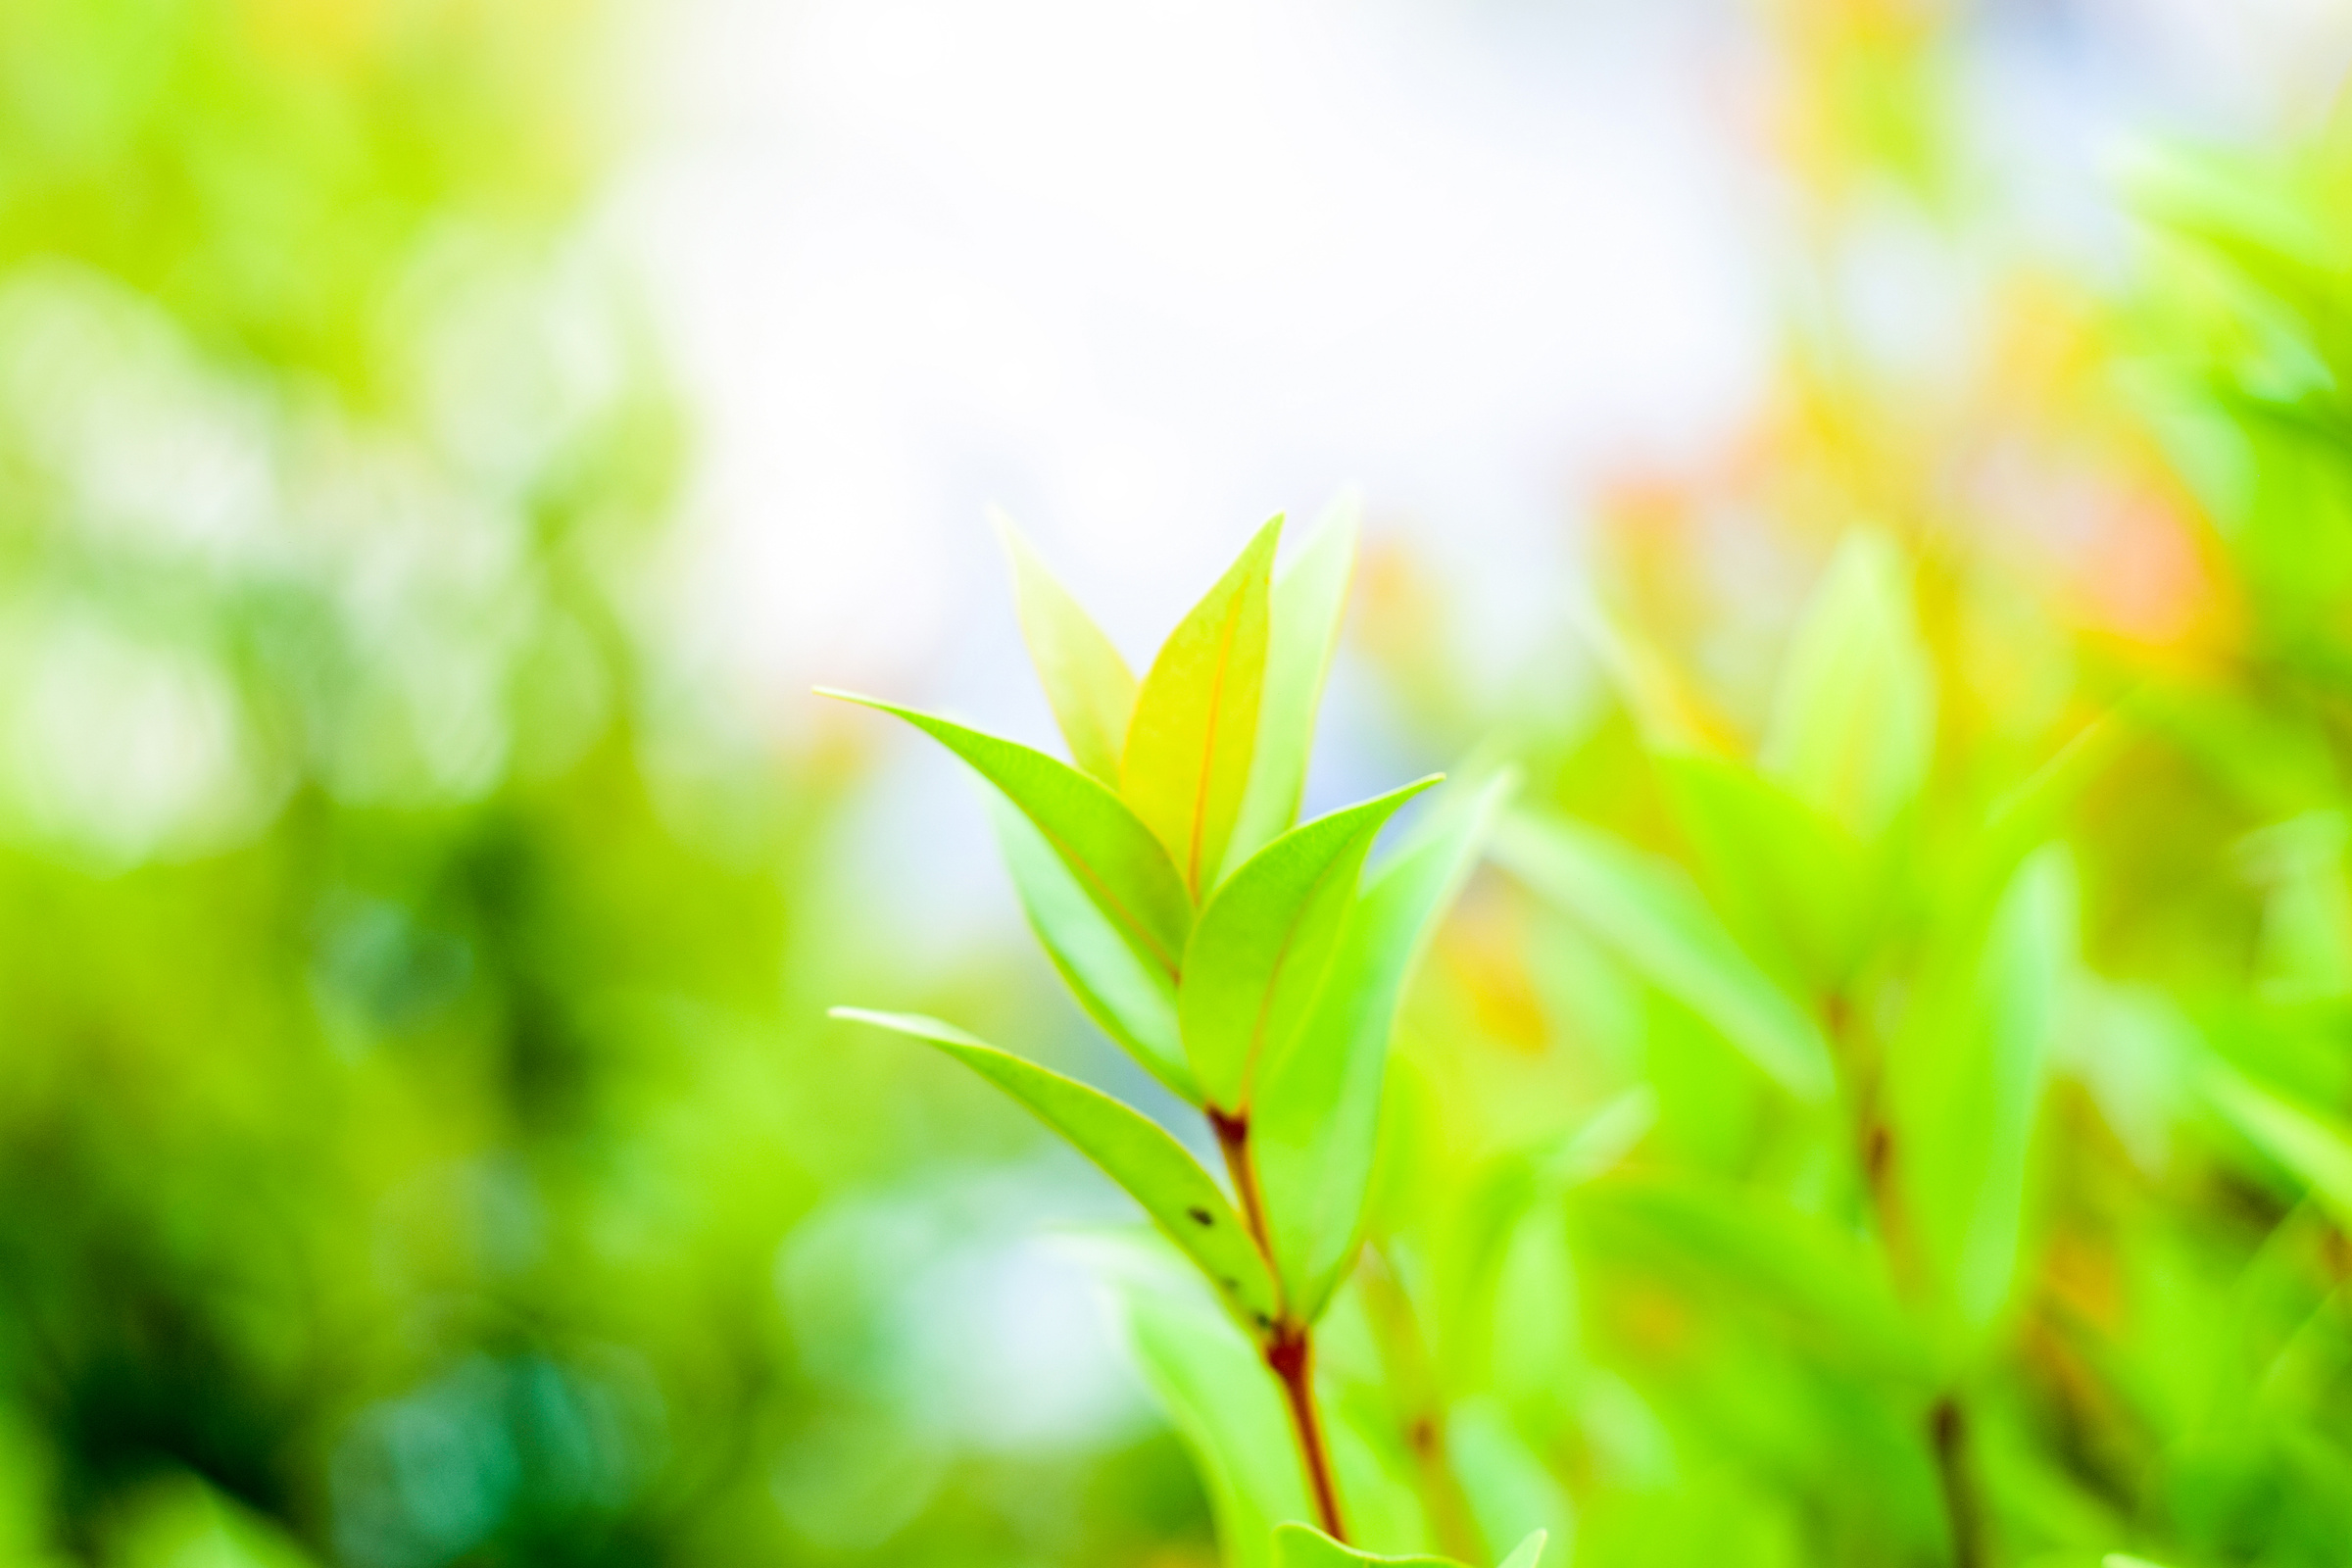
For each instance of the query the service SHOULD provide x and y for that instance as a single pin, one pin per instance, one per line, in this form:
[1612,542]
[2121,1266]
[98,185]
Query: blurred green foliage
[1888,1105]
[1958,948]
[408,1079]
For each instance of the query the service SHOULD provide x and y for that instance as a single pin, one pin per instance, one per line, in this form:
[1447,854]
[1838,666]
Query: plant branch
[1875,1155]
[1289,1348]
[1947,1430]
[1413,1381]
[1233,1142]
[1292,1356]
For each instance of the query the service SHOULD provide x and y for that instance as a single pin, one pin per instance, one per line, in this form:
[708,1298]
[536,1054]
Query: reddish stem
[1291,1355]
[1289,1349]
[1877,1155]
[1233,1142]
[1947,1430]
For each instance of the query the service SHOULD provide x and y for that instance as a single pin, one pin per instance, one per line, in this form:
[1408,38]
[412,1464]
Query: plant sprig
[1248,961]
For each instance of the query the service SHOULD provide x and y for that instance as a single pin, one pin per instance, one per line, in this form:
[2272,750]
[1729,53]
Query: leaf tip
[1014,543]
[1265,540]
[1529,1551]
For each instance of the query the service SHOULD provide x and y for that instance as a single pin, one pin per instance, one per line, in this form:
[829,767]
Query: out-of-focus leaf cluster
[1891,1106]
[416,1143]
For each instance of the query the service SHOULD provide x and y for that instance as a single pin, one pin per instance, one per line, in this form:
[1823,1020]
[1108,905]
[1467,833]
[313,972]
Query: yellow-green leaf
[1115,857]
[1262,947]
[1087,682]
[1310,596]
[1136,1152]
[1186,764]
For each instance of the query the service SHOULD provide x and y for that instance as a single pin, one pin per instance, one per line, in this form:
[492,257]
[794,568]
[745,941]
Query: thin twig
[1292,1356]
[1413,1383]
[1233,1142]
[1947,1430]
[1877,1155]
[1289,1347]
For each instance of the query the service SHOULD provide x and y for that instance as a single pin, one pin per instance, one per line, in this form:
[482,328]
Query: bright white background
[1146,272]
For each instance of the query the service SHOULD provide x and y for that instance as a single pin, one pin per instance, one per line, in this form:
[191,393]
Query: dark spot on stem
[1878,1147]
[1202,1216]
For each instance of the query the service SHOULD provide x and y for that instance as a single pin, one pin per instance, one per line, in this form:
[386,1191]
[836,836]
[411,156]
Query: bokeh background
[442,440]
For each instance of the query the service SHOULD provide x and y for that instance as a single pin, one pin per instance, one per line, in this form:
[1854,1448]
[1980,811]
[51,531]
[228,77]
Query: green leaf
[1187,757]
[1088,683]
[1134,1001]
[1529,1552]
[1853,725]
[2036,810]
[177,1521]
[2317,1148]
[1113,856]
[1315,1124]
[1789,882]
[1505,1479]
[1309,597]
[1262,947]
[1499,1265]
[1298,1545]
[1224,1405]
[1136,1152]
[2305,952]
[1646,910]
[1823,1290]
[1964,1086]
